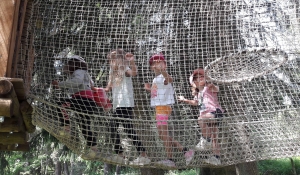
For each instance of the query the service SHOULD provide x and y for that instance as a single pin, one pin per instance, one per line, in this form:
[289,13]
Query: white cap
[77,57]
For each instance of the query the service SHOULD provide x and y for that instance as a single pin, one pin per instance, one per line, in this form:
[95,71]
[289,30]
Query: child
[162,97]
[122,68]
[80,85]
[210,109]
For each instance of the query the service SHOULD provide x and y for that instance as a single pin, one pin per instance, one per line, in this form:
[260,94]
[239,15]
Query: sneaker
[166,163]
[115,159]
[189,156]
[140,161]
[90,155]
[203,145]
[213,161]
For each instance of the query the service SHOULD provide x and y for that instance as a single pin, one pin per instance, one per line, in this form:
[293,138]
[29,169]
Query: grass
[278,166]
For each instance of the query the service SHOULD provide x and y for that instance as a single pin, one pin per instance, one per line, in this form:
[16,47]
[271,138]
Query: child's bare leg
[203,127]
[203,122]
[164,136]
[215,143]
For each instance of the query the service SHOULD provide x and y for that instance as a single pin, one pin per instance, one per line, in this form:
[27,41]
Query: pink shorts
[162,114]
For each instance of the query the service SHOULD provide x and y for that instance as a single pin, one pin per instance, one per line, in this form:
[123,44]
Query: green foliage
[278,166]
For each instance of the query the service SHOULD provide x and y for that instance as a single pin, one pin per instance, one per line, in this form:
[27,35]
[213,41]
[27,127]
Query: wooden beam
[15,147]
[27,110]
[10,125]
[6,107]
[7,138]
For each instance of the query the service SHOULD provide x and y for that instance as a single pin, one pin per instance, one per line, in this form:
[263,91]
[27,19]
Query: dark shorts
[218,115]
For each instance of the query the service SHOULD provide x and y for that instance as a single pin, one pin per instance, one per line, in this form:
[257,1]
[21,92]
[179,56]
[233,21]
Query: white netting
[244,65]
[262,119]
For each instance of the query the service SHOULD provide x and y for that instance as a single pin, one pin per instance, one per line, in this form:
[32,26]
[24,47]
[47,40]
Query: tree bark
[107,169]
[293,166]
[58,168]
[66,168]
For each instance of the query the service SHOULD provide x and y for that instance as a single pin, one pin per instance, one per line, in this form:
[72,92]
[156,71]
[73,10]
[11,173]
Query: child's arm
[213,87]
[147,87]
[168,78]
[133,69]
[108,87]
[190,102]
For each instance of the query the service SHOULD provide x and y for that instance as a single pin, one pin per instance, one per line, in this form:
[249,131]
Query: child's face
[199,80]
[158,66]
[114,61]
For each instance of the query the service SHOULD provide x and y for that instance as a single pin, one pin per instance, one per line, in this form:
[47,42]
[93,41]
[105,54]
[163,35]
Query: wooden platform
[16,115]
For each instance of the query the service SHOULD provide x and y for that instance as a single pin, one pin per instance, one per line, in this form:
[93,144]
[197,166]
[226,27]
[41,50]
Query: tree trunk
[107,169]
[293,166]
[66,168]
[58,168]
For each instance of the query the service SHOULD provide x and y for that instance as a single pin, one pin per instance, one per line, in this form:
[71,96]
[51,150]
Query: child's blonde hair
[117,71]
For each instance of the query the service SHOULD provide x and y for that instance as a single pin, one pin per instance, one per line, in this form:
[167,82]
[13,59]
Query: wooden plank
[5,87]
[13,36]
[10,125]
[15,147]
[8,138]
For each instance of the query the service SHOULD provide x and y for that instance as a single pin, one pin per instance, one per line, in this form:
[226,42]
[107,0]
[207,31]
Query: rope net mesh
[262,113]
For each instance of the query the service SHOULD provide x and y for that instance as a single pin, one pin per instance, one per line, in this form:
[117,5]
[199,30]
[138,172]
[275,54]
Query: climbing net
[262,112]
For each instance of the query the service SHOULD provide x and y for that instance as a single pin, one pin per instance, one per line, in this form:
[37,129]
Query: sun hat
[156,57]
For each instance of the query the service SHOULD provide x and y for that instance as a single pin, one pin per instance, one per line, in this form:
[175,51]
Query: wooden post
[18,85]
[27,110]
[7,138]
[5,87]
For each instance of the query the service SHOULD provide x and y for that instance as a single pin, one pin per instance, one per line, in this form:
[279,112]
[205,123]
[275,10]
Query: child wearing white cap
[80,86]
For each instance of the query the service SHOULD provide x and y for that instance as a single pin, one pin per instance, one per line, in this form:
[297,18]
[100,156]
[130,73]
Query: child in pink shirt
[210,110]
